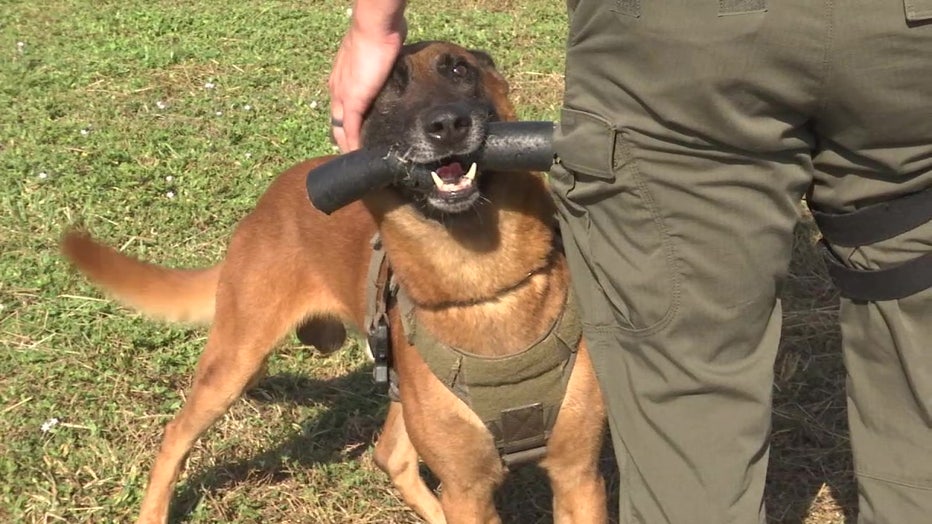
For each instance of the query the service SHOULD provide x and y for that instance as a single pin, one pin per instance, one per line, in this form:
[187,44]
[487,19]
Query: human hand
[361,66]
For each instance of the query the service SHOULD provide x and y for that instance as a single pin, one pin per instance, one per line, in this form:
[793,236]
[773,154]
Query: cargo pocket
[623,259]
[918,10]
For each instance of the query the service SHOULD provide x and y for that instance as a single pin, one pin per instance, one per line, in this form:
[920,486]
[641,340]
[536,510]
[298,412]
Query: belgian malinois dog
[475,252]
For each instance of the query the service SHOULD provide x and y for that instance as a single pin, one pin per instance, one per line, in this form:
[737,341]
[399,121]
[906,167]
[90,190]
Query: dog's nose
[447,126]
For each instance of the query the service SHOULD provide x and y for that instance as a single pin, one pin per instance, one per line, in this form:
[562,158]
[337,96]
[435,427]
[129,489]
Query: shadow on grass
[343,431]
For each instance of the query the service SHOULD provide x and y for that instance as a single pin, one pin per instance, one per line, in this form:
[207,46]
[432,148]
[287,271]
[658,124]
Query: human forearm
[378,17]
[371,45]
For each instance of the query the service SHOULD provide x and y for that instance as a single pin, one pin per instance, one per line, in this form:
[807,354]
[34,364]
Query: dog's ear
[484,59]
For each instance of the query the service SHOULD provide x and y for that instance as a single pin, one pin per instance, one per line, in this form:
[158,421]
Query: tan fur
[488,282]
[173,295]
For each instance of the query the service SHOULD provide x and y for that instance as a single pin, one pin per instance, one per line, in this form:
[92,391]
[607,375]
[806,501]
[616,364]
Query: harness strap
[376,279]
[379,291]
[869,225]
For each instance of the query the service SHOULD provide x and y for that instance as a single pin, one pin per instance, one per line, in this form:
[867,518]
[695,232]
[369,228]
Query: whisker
[475,211]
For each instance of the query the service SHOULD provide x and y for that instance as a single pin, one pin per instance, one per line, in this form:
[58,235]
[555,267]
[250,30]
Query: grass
[157,124]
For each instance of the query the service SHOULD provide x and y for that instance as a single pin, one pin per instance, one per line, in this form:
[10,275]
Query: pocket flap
[585,142]
[918,10]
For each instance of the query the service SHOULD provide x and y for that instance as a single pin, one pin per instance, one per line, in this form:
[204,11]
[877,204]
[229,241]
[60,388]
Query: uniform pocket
[623,259]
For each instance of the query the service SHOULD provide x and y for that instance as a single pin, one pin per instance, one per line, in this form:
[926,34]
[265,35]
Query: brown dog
[474,251]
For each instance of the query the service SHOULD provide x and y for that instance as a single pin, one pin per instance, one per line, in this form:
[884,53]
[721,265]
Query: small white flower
[161,105]
[170,195]
[169,179]
[349,11]
[219,113]
[210,85]
[313,104]
[49,424]
[20,46]
[86,131]
[42,175]
[247,107]
[248,155]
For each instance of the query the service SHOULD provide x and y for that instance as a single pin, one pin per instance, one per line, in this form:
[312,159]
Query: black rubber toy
[510,146]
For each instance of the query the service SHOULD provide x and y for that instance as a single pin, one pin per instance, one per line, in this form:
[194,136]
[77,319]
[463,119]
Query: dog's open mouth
[451,180]
[455,187]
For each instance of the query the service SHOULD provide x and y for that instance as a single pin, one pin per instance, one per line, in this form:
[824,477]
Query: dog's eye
[460,70]
[455,68]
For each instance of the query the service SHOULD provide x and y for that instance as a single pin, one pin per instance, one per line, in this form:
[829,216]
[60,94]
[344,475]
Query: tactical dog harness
[517,396]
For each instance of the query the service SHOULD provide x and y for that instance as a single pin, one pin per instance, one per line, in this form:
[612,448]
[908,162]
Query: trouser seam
[666,241]
[826,59]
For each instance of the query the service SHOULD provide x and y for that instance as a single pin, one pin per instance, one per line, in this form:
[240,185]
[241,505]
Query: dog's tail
[176,295]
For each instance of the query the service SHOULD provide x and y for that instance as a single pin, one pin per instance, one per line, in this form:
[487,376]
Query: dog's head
[434,111]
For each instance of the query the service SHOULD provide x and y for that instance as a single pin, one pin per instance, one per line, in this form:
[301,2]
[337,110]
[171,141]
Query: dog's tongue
[450,172]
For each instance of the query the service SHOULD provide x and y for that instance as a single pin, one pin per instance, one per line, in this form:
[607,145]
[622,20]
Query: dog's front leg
[572,460]
[396,456]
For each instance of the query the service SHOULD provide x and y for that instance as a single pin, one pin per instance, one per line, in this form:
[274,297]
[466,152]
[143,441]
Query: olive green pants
[690,131]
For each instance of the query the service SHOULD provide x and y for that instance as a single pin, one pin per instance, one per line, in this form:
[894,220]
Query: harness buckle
[379,342]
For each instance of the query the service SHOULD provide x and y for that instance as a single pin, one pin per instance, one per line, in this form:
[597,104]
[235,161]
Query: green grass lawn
[157,124]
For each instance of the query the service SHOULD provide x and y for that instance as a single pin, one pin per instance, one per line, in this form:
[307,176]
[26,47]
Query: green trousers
[689,133]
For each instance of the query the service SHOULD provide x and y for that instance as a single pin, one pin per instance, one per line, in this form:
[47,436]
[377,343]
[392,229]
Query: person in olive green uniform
[690,131]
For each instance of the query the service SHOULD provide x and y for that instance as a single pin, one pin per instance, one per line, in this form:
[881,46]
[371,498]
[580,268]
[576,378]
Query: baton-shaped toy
[510,146]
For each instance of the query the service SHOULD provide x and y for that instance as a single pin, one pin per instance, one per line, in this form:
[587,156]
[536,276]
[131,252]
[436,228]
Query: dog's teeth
[471,174]
[437,180]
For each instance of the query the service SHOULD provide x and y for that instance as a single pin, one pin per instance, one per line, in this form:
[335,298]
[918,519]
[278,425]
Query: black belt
[899,281]
[870,225]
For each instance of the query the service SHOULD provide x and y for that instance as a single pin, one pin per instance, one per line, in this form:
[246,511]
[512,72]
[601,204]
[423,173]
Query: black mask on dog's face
[433,112]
